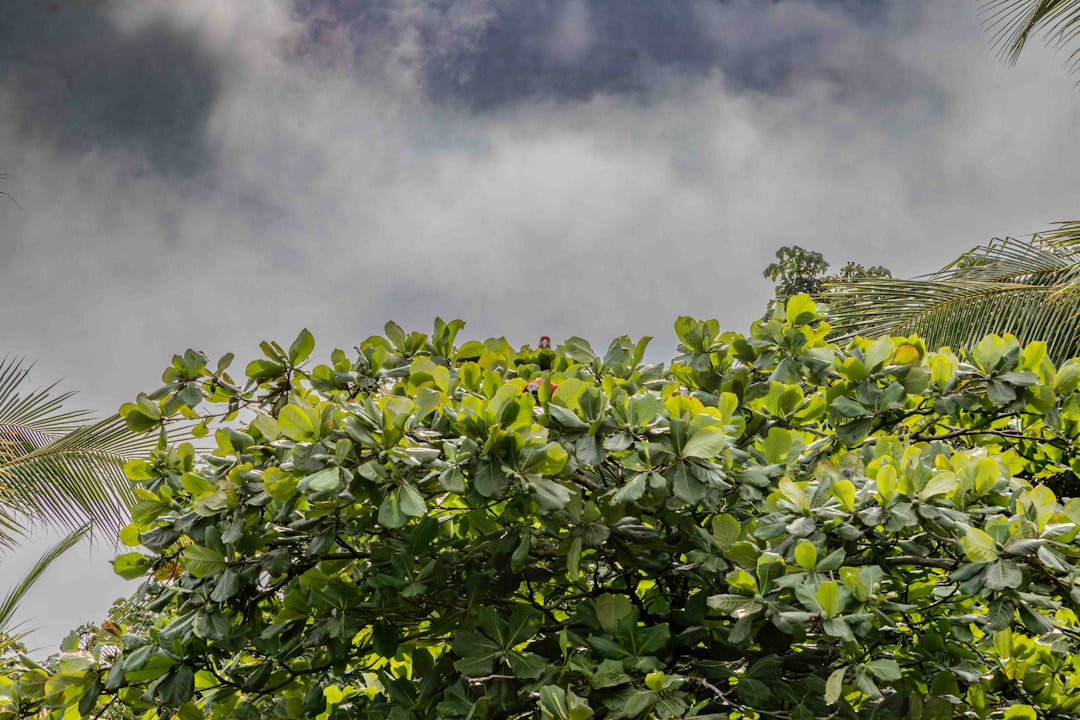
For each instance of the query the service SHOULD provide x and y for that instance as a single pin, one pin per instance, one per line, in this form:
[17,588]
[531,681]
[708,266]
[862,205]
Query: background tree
[798,270]
[775,526]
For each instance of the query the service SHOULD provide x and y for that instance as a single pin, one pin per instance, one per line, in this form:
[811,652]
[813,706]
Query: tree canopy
[774,526]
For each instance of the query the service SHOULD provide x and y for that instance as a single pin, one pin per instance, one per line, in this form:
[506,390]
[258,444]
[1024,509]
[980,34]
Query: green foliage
[774,526]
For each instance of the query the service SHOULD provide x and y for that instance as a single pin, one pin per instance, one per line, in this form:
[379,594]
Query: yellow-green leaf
[806,555]
[828,597]
[295,424]
[979,547]
[708,442]
[202,561]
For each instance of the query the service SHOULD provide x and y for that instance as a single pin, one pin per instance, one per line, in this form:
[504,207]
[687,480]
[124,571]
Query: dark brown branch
[902,560]
[943,563]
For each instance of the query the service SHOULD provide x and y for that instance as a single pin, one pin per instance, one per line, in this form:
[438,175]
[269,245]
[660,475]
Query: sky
[212,173]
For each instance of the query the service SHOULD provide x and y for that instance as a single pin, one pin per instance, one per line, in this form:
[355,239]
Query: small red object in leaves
[534,386]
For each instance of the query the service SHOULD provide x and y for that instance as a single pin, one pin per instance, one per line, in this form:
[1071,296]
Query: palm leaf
[38,411]
[57,468]
[1030,289]
[77,476]
[1013,22]
[10,601]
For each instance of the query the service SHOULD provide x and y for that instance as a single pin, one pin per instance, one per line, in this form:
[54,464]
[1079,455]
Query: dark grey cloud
[488,53]
[86,84]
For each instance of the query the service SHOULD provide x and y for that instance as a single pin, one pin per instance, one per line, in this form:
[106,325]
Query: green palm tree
[59,469]
[1028,288]
[1013,22]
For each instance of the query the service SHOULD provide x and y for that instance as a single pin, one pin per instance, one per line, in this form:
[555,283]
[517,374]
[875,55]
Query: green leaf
[526,665]
[202,561]
[828,597]
[1000,614]
[301,347]
[728,603]
[131,565]
[490,479]
[573,559]
[834,687]
[228,584]
[987,473]
[866,684]
[1002,575]
[631,491]
[844,491]
[988,352]
[885,669]
[412,502]
[794,493]
[324,481]
[942,483]
[550,495]
[566,417]
[999,392]
[801,310]
[615,613]
[546,459]
[776,446]
[399,505]
[806,555]
[477,652]
[978,546]
[396,335]
[708,442]
[878,353]
[263,369]
[726,530]
[559,704]
[295,424]
[846,407]
[854,432]
[177,687]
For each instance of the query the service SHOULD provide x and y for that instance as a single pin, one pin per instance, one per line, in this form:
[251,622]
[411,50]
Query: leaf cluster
[774,526]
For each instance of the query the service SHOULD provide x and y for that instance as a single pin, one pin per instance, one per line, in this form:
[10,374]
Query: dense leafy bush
[773,526]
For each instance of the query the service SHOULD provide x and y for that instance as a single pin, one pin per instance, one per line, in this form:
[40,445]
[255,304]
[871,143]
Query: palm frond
[59,467]
[38,411]
[75,477]
[1013,22]
[1030,289]
[10,601]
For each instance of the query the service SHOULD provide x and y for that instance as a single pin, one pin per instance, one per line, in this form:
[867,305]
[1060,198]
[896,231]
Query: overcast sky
[211,173]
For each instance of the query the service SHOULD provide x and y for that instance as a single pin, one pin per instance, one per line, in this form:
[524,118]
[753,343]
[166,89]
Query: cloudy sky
[210,173]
